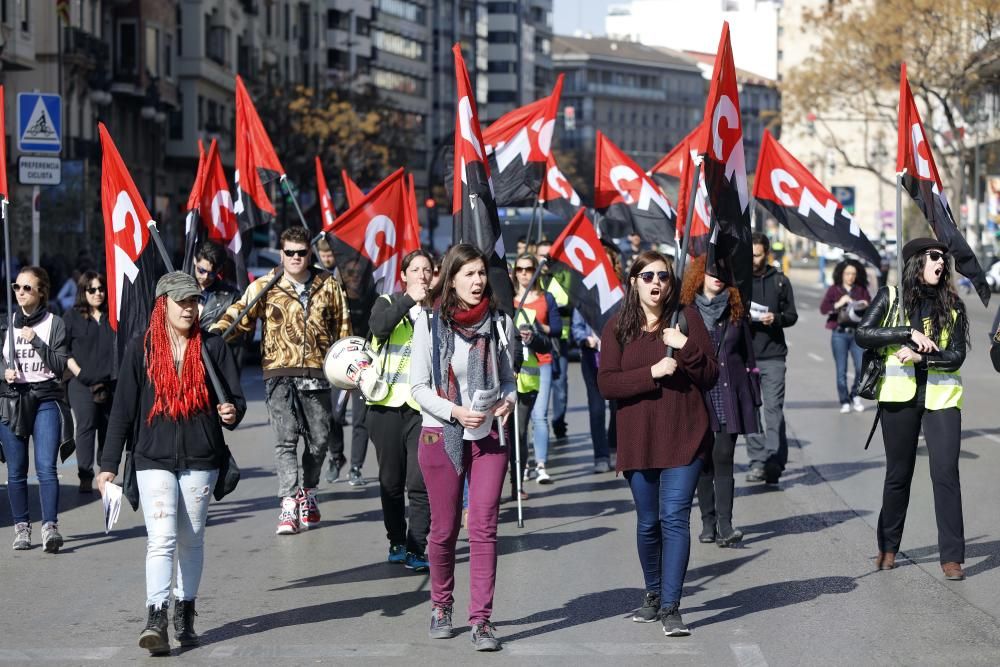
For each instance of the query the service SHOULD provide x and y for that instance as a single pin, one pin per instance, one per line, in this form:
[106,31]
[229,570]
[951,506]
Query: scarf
[712,309]
[21,320]
[474,326]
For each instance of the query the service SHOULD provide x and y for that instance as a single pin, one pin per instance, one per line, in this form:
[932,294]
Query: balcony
[83,48]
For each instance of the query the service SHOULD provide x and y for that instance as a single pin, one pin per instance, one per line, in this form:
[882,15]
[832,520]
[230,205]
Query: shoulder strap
[435,350]
[682,321]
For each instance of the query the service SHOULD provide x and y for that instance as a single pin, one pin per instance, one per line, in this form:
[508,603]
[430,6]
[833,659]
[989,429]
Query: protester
[663,426]
[556,283]
[216,294]
[732,402]
[772,310]
[539,325]
[923,334]
[32,405]
[457,365]
[361,299]
[68,293]
[172,417]
[303,315]
[844,304]
[635,247]
[326,260]
[394,422]
[91,347]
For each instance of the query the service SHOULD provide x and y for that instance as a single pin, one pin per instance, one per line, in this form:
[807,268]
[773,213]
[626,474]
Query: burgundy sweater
[662,423]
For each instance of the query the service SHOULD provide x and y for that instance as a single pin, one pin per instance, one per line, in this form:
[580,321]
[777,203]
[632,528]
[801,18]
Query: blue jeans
[175,507]
[663,535]
[540,414]
[596,405]
[842,344]
[560,388]
[45,436]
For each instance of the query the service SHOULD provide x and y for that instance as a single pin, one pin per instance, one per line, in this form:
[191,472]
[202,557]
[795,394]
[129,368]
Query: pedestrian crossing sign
[39,123]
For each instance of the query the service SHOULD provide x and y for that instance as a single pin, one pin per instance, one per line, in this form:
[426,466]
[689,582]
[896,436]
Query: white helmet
[350,364]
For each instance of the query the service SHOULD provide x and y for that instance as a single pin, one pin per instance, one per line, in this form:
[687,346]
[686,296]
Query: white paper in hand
[112,500]
[758,311]
[484,399]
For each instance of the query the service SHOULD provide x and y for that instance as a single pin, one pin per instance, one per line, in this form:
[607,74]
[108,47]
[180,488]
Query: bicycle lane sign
[39,123]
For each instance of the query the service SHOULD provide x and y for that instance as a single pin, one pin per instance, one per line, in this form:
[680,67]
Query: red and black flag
[473,206]
[629,199]
[352,193]
[327,213]
[724,167]
[595,289]
[219,216]
[131,274]
[557,195]
[518,144]
[369,238]
[256,164]
[192,229]
[920,178]
[679,164]
[411,228]
[800,202]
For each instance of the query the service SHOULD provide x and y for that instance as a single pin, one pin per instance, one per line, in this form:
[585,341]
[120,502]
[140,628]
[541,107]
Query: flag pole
[685,243]
[295,200]
[531,224]
[899,233]
[8,264]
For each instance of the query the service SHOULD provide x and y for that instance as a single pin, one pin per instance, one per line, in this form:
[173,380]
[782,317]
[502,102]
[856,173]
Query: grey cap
[177,285]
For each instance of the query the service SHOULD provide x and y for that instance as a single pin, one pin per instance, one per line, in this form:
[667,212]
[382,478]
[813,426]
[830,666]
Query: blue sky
[586,15]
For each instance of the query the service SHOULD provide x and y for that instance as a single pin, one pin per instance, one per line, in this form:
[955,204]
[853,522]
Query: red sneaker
[288,520]
[308,509]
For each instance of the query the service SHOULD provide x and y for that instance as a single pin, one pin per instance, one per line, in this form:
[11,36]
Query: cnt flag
[352,192]
[473,206]
[800,202]
[131,273]
[629,199]
[921,180]
[327,213]
[557,195]
[679,164]
[256,164]
[368,239]
[411,229]
[724,167]
[218,213]
[192,230]
[595,289]
[518,144]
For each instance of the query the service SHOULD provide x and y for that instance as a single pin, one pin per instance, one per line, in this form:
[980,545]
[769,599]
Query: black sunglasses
[202,271]
[95,290]
[935,255]
[524,269]
[662,276]
[27,289]
[296,253]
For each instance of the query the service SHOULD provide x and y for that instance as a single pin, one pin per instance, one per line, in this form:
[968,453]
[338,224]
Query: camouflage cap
[177,285]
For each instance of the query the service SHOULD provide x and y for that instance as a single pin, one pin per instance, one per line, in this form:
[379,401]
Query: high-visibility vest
[561,296]
[899,384]
[394,364]
[529,378]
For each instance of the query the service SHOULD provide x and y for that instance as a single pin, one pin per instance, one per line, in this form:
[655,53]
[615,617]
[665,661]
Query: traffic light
[432,215]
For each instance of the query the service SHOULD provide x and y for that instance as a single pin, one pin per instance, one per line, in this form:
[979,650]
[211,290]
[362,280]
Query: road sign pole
[36,225]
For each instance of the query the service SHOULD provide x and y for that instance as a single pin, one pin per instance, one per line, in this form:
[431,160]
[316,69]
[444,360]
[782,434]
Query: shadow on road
[368,572]
[549,541]
[578,611]
[798,524]
[771,596]
[990,551]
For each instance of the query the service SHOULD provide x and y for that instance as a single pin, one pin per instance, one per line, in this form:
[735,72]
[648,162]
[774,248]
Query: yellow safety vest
[899,384]
[528,378]
[561,296]
[394,364]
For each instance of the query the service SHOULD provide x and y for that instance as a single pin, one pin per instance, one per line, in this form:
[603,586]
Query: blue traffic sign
[39,123]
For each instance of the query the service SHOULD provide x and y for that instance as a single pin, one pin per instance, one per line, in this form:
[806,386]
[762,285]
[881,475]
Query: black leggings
[715,485]
[901,424]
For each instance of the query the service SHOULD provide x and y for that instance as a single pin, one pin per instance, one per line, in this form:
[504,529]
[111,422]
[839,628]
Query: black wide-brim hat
[923,244]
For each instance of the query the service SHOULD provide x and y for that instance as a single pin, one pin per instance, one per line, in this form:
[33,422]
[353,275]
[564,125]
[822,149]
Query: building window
[168,56]
[503,37]
[336,59]
[25,16]
[288,25]
[402,9]
[269,20]
[502,67]
[400,83]
[127,45]
[176,120]
[362,26]
[153,51]
[397,45]
[180,32]
[337,20]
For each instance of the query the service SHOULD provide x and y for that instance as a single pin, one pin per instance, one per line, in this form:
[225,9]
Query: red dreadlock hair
[177,397]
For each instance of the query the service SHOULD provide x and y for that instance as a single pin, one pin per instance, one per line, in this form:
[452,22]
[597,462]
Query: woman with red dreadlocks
[164,407]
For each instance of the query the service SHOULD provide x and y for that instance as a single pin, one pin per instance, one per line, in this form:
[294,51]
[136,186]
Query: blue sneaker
[417,562]
[397,553]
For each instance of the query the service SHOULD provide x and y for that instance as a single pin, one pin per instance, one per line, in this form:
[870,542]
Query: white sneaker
[845,408]
[858,405]
[542,476]
[601,465]
[288,519]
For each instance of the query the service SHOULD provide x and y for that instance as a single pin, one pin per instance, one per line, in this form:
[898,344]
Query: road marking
[988,436]
[599,648]
[748,655]
[312,651]
[815,357]
[58,654]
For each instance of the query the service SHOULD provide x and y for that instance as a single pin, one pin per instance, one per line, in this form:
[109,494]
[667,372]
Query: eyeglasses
[202,271]
[524,269]
[95,290]
[296,253]
[936,255]
[27,289]
[662,276]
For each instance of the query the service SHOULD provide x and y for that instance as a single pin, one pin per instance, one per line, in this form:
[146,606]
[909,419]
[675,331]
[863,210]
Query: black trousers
[716,484]
[396,433]
[901,424]
[358,424]
[91,420]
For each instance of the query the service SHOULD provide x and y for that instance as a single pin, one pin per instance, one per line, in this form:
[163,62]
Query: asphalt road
[800,590]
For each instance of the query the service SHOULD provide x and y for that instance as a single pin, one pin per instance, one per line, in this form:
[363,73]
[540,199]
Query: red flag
[411,229]
[517,144]
[192,237]
[131,276]
[256,163]
[673,163]
[724,167]
[217,204]
[327,212]
[199,178]
[595,289]
[556,193]
[352,192]
[679,163]
[922,181]
[4,193]
[371,233]
[791,194]
[628,198]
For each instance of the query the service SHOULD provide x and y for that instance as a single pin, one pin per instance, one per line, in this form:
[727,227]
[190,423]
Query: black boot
[706,501]
[726,536]
[184,614]
[154,637]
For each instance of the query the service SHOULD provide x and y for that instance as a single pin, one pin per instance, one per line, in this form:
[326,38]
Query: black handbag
[873,362]
[130,485]
[229,476]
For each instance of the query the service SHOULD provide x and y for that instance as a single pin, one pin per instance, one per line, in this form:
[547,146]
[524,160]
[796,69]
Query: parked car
[263,260]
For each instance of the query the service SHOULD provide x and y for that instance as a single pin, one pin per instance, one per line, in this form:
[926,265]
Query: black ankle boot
[726,535]
[184,614]
[154,637]
[706,502]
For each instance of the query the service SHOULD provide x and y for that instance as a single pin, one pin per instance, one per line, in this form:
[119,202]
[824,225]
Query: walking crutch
[505,344]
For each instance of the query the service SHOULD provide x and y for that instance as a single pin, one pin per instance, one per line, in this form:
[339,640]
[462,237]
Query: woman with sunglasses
[458,364]
[844,304]
[91,361]
[34,406]
[923,334]
[663,426]
[538,324]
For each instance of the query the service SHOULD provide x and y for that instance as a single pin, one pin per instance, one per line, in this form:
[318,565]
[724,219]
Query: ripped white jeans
[175,506]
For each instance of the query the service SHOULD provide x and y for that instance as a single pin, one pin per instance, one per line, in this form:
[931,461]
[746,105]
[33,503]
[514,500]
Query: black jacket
[195,444]
[774,291]
[218,297]
[92,346]
[871,335]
